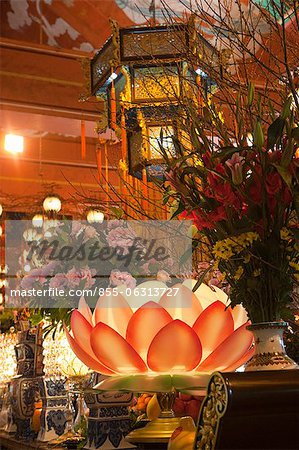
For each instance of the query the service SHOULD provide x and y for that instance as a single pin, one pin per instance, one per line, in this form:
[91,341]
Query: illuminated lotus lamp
[52,204]
[163,346]
[95,216]
[14,143]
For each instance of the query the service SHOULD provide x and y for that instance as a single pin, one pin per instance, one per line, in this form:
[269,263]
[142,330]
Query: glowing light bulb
[37,221]
[94,216]
[52,203]
[14,143]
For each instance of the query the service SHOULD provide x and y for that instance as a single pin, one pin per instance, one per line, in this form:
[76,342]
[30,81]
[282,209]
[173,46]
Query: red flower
[218,214]
[273,183]
[224,194]
[255,189]
[287,196]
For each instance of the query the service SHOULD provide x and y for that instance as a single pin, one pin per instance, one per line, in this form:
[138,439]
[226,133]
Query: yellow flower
[239,273]
[234,245]
[285,234]
[256,272]
[295,265]
[247,258]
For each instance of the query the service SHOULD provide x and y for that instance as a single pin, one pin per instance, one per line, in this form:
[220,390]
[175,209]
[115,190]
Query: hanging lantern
[1,210]
[153,72]
[95,216]
[37,221]
[52,204]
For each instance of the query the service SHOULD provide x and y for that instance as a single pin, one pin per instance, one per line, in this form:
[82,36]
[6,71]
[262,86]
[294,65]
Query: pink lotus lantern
[161,343]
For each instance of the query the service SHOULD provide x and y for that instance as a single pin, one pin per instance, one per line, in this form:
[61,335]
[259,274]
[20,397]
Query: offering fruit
[183,437]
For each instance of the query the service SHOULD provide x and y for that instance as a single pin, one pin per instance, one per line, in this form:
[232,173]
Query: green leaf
[286,110]
[178,211]
[275,131]
[258,135]
[250,95]
[285,175]
[118,212]
[226,151]
[201,278]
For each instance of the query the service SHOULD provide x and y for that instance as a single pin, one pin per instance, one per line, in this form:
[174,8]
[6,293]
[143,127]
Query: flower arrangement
[244,201]
[64,260]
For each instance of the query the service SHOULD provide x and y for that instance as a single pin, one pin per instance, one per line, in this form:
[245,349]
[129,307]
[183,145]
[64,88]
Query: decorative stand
[25,385]
[53,414]
[109,419]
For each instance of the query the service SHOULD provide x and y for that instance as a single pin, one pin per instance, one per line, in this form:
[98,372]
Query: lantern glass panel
[153,84]
[160,136]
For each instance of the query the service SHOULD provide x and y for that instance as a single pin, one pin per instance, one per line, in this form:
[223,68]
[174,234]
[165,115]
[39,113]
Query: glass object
[160,137]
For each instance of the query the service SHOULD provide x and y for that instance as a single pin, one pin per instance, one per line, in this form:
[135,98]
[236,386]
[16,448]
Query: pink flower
[76,227]
[88,275]
[118,278]
[121,237]
[89,233]
[235,164]
[35,276]
[73,277]
[163,276]
[59,281]
[146,267]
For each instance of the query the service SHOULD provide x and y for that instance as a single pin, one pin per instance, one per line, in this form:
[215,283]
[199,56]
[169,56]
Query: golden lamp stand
[161,429]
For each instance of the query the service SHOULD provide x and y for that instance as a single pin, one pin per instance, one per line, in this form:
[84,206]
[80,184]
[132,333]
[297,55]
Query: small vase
[270,352]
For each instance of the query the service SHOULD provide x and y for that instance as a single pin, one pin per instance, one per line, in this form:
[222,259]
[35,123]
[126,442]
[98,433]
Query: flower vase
[270,351]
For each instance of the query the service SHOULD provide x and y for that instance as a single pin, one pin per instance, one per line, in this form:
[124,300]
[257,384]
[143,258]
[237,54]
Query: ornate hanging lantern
[141,74]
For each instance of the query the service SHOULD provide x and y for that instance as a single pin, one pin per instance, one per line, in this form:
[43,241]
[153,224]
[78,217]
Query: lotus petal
[182,305]
[206,296]
[241,361]
[114,311]
[84,309]
[213,326]
[175,348]
[221,295]
[145,323]
[81,330]
[229,352]
[88,360]
[239,314]
[114,351]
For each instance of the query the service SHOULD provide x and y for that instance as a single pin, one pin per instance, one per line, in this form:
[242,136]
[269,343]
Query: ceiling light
[52,203]
[14,143]
[94,216]
[37,220]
